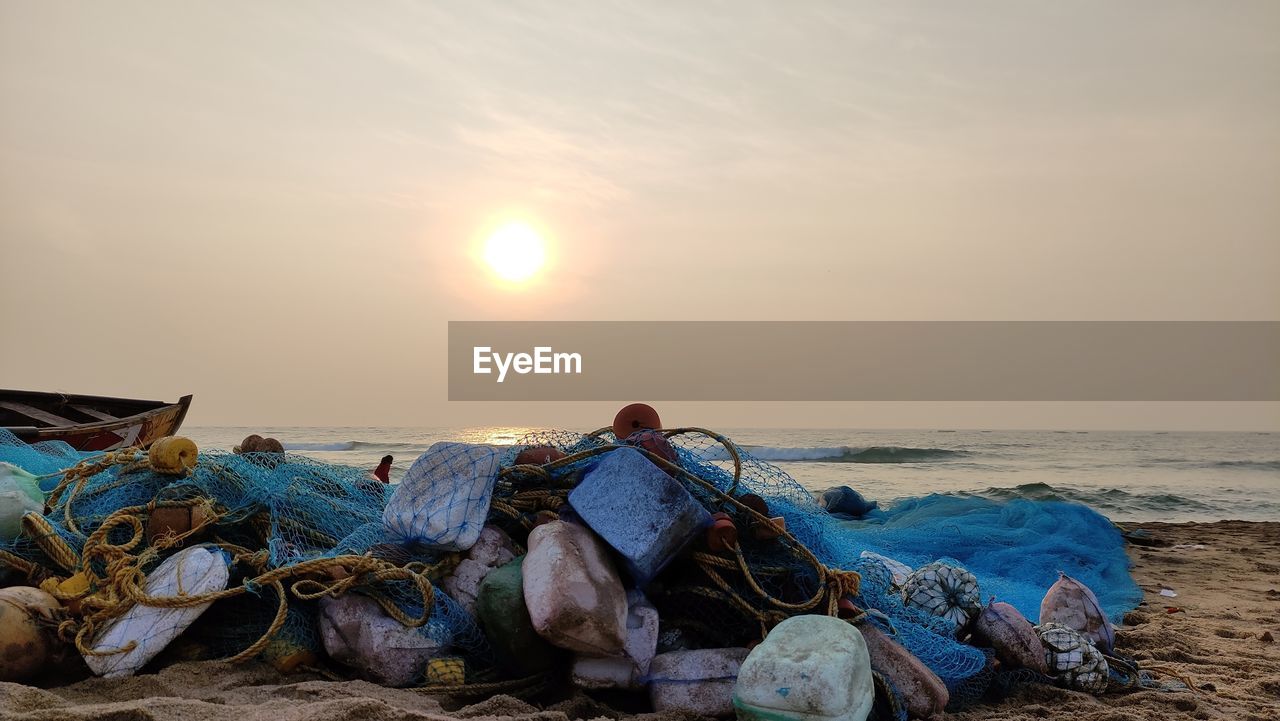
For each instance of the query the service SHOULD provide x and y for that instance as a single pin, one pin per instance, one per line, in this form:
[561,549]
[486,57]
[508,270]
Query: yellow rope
[46,537]
[27,568]
[122,585]
[834,584]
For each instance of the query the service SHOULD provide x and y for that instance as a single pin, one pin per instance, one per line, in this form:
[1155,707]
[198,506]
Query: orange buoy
[538,456]
[655,443]
[721,535]
[635,417]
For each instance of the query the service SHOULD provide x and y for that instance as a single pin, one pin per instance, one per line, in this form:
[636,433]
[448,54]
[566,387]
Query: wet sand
[1228,600]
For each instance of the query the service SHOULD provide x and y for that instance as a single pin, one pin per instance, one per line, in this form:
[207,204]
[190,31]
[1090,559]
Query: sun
[515,252]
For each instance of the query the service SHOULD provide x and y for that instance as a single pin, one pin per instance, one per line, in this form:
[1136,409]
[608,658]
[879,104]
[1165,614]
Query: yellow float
[174,455]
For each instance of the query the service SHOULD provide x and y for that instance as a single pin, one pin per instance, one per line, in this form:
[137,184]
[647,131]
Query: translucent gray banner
[864,361]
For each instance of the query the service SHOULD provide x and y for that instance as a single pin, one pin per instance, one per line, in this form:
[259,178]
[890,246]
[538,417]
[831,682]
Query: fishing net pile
[298,536]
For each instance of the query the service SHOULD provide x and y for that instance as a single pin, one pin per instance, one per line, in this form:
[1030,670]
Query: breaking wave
[350,446]
[852,454]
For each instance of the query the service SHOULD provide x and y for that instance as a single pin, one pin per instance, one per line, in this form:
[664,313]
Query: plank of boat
[95,413]
[37,414]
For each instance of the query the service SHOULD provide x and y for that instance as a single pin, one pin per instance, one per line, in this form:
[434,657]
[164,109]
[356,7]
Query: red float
[635,417]
[538,456]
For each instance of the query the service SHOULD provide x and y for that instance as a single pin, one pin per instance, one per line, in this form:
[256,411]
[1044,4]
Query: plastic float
[696,682]
[127,643]
[443,499]
[644,514]
[809,668]
[574,596]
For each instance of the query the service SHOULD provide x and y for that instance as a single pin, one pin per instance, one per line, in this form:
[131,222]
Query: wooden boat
[89,423]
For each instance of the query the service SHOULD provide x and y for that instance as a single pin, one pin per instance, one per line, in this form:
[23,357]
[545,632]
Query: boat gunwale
[182,404]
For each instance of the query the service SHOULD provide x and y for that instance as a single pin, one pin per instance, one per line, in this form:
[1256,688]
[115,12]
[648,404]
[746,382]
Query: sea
[1125,475]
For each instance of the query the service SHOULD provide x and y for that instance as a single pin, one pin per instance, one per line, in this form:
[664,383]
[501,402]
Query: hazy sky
[276,206]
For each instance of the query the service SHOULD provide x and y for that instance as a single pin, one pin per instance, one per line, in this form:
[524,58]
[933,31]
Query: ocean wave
[339,446]
[853,454]
[1248,465]
[1103,499]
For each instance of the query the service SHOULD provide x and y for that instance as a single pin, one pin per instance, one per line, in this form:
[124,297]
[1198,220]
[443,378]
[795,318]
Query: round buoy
[250,444]
[755,503]
[635,417]
[270,445]
[168,520]
[655,443]
[173,455]
[538,456]
[721,535]
[26,641]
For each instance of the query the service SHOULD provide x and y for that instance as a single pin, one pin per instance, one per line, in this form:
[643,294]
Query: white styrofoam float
[575,599]
[444,498]
[19,494]
[809,668]
[192,572]
[696,682]
[629,669]
[356,632]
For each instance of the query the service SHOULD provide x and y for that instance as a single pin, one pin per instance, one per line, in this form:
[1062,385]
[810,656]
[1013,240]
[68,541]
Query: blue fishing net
[1015,549]
[295,509]
[283,509]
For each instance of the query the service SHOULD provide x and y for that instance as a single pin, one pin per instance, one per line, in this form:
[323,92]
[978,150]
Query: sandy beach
[1217,632]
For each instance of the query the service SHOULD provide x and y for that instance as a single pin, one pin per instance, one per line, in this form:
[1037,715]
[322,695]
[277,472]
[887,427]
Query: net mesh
[1015,549]
[284,511]
[278,512]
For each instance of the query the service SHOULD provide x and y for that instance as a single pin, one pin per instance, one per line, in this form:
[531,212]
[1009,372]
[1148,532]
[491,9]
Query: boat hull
[139,429]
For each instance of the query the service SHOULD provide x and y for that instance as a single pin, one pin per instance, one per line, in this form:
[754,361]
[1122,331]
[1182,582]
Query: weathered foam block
[356,632]
[628,670]
[502,614]
[1012,636]
[574,595]
[697,682]
[463,585]
[920,689]
[191,572]
[809,668]
[643,513]
[493,548]
[443,500]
